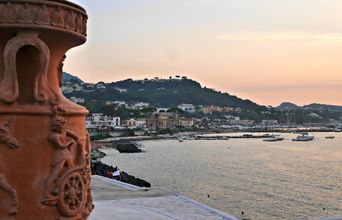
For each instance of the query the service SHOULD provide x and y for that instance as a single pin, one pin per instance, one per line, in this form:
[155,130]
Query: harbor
[120,201]
[228,170]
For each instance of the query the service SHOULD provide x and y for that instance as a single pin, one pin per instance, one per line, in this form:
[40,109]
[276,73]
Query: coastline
[230,165]
[248,133]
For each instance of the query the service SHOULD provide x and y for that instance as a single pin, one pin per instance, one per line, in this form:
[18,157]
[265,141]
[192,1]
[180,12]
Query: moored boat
[304,137]
[274,138]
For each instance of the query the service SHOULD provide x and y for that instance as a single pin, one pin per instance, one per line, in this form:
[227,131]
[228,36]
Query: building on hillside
[120,103]
[187,108]
[160,121]
[213,108]
[314,115]
[159,110]
[199,123]
[141,123]
[69,87]
[121,90]
[135,123]
[152,123]
[130,123]
[117,103]
[246,123]
[100,85]
[96,117]
[116,122]
[89,85]
[99,121]
[186,122]
[110,102]
[138,106]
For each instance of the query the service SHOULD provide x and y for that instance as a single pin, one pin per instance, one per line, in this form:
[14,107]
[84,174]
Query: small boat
[274,138]
[247,135]
[180,139]
[330,137]
[188,138]
[304,137]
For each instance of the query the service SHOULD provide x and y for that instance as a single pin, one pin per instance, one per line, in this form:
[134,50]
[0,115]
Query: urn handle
[9,87]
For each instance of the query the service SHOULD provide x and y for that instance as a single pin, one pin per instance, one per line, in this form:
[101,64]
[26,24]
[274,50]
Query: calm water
[281,180]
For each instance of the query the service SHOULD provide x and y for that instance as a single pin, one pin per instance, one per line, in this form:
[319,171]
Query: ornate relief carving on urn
[44,146]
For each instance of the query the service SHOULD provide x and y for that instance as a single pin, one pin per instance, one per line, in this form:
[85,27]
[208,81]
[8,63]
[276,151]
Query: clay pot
[44,146]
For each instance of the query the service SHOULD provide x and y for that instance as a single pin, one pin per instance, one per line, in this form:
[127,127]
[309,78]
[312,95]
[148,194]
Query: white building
[139,106]
[116,122]
[100,85]
[314,115]
[101,122]
[187,108]
[141,123]
[118,103]
[68,87]
[162,110]
[121,90]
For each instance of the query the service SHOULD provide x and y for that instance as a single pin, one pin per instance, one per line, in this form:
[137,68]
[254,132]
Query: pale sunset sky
[268,51]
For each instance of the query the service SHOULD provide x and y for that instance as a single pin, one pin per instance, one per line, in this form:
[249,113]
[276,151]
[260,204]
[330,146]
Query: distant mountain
[71,78]
[287,106]
[162,93]
[323,107]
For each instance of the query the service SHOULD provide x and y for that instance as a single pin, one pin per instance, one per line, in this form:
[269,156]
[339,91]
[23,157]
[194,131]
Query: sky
[268,51]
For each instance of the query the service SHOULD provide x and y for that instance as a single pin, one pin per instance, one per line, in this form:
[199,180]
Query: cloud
[265,36]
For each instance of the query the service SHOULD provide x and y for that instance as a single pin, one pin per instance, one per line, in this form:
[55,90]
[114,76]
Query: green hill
[162,93]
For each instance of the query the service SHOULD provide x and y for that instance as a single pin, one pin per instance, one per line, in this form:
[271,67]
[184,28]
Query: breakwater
[101,169]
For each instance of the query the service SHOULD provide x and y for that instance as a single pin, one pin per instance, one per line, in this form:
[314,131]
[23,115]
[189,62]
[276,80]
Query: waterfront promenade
[120,201]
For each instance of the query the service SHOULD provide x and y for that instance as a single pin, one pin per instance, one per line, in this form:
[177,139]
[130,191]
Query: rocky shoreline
[127,147]
[101,169]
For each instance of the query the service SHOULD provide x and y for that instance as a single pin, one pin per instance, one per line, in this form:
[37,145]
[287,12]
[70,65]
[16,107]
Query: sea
[262,180]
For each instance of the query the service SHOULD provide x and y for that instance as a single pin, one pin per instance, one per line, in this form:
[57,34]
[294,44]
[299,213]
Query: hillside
[288,106]
[67,77]
[162,93]
[323,107]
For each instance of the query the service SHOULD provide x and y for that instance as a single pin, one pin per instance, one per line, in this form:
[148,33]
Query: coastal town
[115,118]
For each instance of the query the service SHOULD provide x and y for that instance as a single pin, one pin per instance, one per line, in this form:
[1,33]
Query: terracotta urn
[44,146]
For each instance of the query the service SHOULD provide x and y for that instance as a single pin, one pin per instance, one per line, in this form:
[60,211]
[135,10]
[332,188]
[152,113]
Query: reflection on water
[280,180]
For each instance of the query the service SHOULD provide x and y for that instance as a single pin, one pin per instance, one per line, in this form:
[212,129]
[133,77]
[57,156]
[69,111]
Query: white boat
[184,138]
[274,138]
[304,137]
